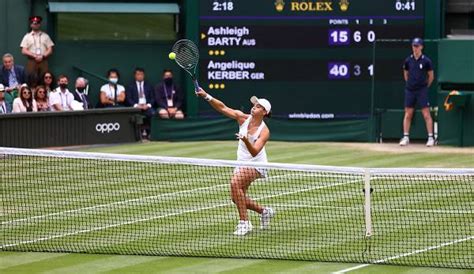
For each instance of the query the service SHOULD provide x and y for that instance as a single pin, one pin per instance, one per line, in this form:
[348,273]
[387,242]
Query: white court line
[166,215]
[375,209]
[121,202]
[405,254]
[109,204]
[351,268]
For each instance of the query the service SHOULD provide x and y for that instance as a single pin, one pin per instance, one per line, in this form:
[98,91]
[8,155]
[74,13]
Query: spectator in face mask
[112,94]
[169,97]
[61,99]
[79,93]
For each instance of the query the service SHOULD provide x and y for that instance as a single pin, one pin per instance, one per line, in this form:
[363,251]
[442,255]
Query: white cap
[263,102]
[2,88]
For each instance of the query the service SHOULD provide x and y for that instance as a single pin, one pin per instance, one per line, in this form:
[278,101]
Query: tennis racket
[187,57]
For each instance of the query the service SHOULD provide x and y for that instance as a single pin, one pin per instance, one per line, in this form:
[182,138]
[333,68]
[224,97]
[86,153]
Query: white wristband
[208,98]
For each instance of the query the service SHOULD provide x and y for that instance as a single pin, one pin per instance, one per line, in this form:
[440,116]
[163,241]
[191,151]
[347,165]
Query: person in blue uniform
[418,74]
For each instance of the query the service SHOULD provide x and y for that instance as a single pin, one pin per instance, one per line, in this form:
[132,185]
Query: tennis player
[253,135]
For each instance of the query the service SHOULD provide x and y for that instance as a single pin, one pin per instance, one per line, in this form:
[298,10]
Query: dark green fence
[196,129]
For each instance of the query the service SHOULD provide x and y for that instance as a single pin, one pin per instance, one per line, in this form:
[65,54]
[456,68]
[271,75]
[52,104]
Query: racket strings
[187,54]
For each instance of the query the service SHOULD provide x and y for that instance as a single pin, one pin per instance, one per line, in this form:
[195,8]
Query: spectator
[37,47]
[140,95]
[13,76]
[48,82]
[41,97]
[25,101]
[112,94]
[4,107]
[169,97]
[79,93]
[61,99]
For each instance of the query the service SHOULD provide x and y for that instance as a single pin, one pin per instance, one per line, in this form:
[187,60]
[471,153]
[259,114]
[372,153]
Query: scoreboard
[311,59]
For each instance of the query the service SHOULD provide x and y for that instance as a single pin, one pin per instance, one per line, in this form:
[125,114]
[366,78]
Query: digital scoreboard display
[311,59]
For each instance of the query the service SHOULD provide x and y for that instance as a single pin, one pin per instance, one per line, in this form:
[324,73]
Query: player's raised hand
[201,93]
[241,137]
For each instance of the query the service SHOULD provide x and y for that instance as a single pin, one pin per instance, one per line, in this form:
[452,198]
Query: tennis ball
[172,55]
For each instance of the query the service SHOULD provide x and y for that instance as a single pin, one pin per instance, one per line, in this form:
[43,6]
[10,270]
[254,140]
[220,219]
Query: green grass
[304,228]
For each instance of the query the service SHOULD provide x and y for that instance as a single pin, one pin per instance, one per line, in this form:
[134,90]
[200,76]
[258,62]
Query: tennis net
[61,201]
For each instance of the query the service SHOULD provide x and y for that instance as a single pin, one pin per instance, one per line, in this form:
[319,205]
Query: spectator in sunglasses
[25,101]
[48,82]
[41,97]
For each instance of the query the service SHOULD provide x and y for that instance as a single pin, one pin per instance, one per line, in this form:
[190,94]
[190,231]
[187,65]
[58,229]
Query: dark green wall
[434,14]
[13,26]
[222,128]
[456,59]
[191,14]
[96,57]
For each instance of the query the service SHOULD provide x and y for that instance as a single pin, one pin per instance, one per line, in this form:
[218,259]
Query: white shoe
[266,216]
[243,228]
[431,142]
[404,141]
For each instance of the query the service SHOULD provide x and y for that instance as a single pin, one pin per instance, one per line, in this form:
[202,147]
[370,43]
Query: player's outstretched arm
[221,107]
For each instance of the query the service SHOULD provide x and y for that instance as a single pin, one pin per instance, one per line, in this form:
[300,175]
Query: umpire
[418,74]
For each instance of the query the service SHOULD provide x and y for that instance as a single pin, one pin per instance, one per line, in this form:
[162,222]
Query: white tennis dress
[243,153]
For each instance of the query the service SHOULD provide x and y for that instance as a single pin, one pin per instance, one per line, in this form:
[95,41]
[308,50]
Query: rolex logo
[344,5]
[279,5]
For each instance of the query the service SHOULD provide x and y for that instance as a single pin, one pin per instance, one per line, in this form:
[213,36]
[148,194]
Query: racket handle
[196,85]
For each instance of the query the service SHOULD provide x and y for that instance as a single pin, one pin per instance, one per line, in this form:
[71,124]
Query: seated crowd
[17,94]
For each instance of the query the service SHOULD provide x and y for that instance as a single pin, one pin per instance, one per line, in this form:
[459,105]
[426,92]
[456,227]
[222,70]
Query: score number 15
[338,37]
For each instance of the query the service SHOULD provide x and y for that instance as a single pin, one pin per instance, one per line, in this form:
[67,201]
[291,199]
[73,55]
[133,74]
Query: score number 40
[340,70]
[342,36]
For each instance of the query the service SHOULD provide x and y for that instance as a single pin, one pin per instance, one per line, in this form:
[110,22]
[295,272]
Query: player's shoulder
[241,116]
[266,128]
[265,131]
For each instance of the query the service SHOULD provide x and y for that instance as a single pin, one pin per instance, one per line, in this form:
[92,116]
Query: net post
[367,204]
[372,134]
